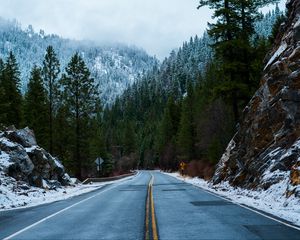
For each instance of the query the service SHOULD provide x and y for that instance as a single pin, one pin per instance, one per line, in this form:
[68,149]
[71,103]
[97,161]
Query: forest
[188,109]
[185,109]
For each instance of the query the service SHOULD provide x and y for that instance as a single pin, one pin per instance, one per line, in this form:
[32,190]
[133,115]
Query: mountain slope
[266,149]
[115,67]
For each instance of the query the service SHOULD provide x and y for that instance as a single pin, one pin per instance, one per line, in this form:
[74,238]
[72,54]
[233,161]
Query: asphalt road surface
[150,205]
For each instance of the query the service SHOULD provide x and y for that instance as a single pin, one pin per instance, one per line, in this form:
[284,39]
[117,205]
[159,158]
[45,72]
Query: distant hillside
[115,67]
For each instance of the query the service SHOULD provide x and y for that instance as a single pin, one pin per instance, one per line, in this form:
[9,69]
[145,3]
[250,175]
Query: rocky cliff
[24,163]
[266,148]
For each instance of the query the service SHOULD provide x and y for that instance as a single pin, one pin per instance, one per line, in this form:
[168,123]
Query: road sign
[182,165]
[99,161]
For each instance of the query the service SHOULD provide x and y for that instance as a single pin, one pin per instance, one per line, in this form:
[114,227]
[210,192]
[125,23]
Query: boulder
[22,159]
[20,164]
[25,137]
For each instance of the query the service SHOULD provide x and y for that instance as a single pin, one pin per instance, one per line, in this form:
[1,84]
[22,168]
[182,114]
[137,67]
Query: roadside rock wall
[266,148]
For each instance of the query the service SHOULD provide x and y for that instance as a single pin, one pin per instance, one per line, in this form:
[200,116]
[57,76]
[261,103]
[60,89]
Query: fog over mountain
[114,66]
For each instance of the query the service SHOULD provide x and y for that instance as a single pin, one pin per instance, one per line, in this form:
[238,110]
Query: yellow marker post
[182,167]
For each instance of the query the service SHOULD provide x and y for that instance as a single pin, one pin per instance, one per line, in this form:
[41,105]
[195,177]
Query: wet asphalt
[117,212]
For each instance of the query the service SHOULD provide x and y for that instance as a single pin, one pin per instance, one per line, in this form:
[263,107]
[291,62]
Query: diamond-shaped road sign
[99,161]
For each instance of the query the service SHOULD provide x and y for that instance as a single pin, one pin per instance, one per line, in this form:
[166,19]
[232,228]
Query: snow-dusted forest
[115,66]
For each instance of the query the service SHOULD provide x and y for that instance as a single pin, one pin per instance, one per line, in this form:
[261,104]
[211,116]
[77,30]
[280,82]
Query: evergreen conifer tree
[12,98]
[185,139]
[80,96]
[51,71]
[3,103]
[232,33]
[36,106]
[129,138]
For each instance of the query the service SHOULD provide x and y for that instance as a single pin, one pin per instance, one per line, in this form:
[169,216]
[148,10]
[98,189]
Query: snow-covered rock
[23,160]
[25,137]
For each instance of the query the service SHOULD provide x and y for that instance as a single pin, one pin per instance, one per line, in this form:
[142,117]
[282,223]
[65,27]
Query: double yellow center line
[151,227]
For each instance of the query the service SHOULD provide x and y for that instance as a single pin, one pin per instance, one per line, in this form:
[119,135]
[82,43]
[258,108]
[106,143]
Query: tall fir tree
[185,139]
[167,135]
[12,97]
[3,103]
[51,71]
[80,96]
[63,135]
[128,138]
[36,106]
[232,33]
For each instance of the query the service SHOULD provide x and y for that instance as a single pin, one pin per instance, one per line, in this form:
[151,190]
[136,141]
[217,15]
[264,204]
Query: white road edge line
[241,205]
[65,209]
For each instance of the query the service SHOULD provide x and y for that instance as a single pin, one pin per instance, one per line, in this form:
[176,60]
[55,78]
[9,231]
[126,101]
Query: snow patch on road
[272,200]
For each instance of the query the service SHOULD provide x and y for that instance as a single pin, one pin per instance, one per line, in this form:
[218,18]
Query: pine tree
[169,122]
[129,138]
[167,135]
[63,135]
[232,32]
[51,71]
[281,18]
[12,98]
[108,167]
[3,103]
[36,106]
[80,96]
[97,141]
[185,137]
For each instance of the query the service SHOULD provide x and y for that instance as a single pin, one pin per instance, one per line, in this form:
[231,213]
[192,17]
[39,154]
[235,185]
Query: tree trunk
[78,158]
[51,117]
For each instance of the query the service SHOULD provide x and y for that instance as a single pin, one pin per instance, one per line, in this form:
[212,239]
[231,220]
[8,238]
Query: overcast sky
[158,26]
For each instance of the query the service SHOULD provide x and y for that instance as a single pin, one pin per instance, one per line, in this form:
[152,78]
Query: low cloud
[158,26]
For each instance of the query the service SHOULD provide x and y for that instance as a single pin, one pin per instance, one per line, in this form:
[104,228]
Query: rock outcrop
[22,159]
[266,147]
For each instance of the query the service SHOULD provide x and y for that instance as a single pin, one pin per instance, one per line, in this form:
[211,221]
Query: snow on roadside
[272,200]
[12,197]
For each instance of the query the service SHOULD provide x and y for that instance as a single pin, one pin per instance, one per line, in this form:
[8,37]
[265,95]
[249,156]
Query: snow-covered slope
[115,67]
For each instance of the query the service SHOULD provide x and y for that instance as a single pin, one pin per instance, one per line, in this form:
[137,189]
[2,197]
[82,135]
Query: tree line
[63,109]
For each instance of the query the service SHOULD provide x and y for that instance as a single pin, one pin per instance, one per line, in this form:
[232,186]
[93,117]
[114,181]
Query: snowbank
[272,200]
[15,195]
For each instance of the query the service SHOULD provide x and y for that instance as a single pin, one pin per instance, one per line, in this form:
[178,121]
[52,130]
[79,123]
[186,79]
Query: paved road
[118,211]
[184,211]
